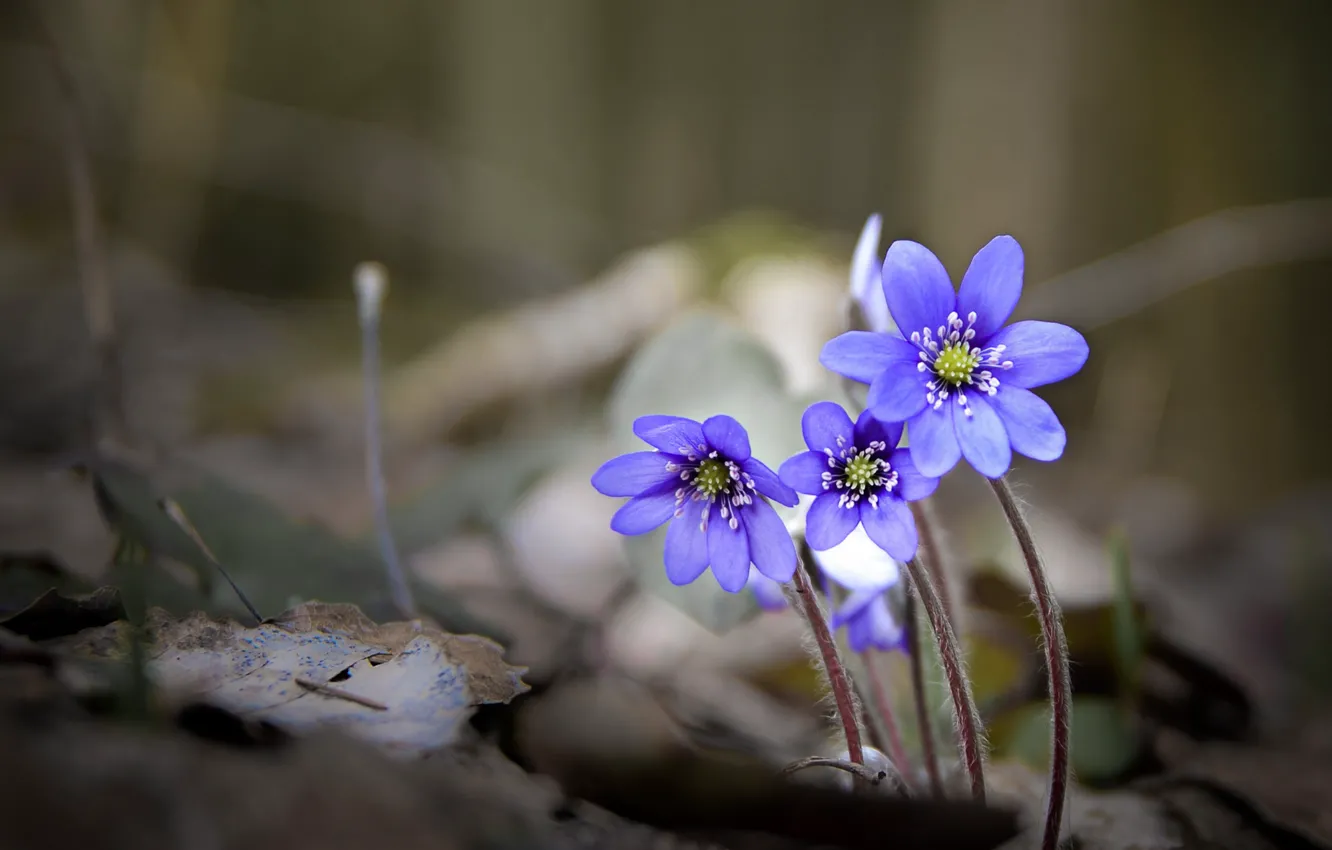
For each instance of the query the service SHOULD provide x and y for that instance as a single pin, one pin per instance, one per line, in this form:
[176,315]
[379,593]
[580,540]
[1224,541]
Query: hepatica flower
[702,479]
[959,379]
[869,622]
[859,478]
[863,568]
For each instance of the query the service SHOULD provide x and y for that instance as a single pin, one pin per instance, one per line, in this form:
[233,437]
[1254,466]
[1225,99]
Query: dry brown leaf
[406,686]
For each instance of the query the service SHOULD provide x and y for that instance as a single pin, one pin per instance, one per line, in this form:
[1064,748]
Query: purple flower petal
[631,474]
[728,437]
[992,285]
[826,426]
[673,434]
[767,593]
[867,277]
[871,625]
[862,355]
[911,485]
[934,447]
[770,546]
[1033,429]
[897,393]
[767,483]
[891,526]
[643,513]
[854,605]
[728,551]
[859,635]
[870,428]
[1042,353]
[686,552]
[828,523]
[804,472]
[886,633]
[864,262]
[858,563]
[983,439]
[917,288]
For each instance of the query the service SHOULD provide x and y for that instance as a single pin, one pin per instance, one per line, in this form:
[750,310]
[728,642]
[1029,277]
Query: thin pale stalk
[931,541]
[371,281]
[1056,661]
[884,709]
[918,695]
[838,680]
[950,655]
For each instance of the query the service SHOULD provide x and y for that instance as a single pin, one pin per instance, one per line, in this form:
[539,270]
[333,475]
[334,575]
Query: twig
[371,281]
[326,690]
[176,514]
[950,655]
[1056,661]
[1201,250]
[873,777]
[838,680]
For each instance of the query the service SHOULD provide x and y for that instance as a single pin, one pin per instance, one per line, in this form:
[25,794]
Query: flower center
[713,478]
[859,473]
[953,363]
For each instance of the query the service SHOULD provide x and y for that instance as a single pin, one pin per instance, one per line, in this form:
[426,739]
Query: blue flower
[959,379]
[859,477]
[702,478]
[767,593]
[869,622]
[864,569]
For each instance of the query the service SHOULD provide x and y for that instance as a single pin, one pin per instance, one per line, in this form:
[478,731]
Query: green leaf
[700,366]
[274,559]
[1103,739]
[1129,640]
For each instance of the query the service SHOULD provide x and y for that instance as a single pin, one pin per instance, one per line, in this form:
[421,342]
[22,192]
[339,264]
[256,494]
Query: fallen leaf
[1290,789]
[407,686]
[54,614]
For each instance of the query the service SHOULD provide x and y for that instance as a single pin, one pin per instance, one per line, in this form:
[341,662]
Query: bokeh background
[553,184]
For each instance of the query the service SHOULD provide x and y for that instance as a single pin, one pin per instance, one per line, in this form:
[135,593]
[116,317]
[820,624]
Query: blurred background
[554,186]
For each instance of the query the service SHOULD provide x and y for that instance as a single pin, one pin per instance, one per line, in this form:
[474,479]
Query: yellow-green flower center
[861,472]
[712,477]
[956,362]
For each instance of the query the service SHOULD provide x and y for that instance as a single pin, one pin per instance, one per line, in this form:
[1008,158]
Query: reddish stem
[964,706]
[838,679]
[923,716]
[931,542]
[1056,661]
[885,709]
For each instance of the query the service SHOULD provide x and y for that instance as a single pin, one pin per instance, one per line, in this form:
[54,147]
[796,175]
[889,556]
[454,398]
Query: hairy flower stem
[1056,661]
[932,542]
[838,679]
[923,717]
[950,655]
[370,282]
[884,707]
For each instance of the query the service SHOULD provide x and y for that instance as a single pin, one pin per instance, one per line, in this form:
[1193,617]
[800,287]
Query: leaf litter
[408,687]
